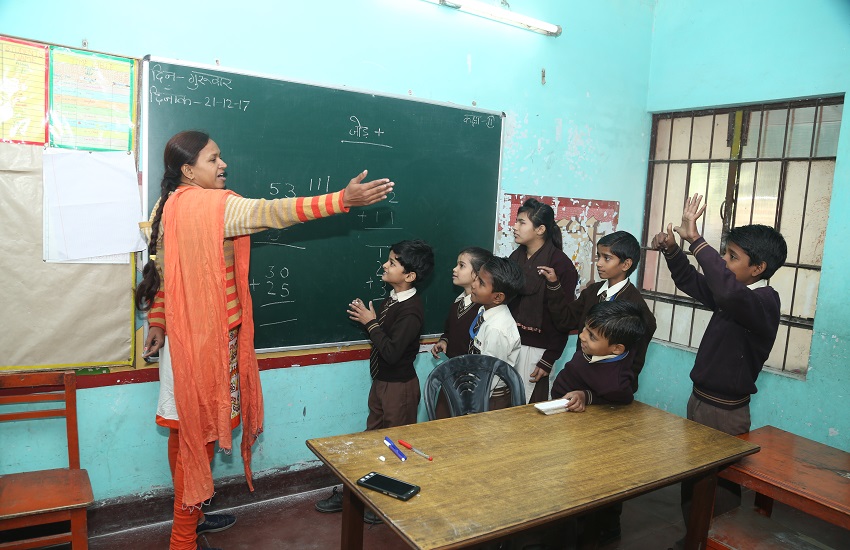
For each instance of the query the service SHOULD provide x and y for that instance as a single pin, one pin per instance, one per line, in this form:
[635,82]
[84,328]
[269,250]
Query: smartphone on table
[390,486]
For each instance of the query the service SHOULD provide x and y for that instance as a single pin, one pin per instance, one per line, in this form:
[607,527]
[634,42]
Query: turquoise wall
[729,52]
[585,134]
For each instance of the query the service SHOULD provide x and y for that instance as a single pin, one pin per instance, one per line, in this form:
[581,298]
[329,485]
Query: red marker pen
[407,445]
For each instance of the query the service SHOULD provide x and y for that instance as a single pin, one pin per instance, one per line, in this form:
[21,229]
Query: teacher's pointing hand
[364,194]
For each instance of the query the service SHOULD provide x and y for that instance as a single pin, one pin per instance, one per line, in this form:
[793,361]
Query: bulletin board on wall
[282,138]
[74,312]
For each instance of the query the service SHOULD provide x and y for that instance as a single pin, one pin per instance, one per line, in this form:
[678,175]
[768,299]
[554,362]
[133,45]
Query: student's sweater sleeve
[735,298]
[568,277]
[392,341]
[686,277]
[623,395]
[245,216]
[560,388]
[566,311]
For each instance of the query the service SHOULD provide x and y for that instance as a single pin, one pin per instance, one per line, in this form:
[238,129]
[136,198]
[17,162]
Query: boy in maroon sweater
[742,329]
[601,370]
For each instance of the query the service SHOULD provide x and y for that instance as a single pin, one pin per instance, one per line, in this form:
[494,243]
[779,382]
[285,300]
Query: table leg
[352,521]
[702,505]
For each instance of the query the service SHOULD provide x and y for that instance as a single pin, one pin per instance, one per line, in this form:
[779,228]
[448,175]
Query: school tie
[373,355]
[476,326]
[604,296]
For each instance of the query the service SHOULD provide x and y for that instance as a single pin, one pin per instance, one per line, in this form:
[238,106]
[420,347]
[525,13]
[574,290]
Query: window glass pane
[714,198]
[829,123]
[767,193]
[650,270]
[663,314]
[806,293]
[656,205]
[773,133]
[701,318]
[799,346]
[817,211]
[776,359]
[681,331]
[681,138]
[664,282]
[750,150]
[783,283]
[793,205]
[698,179]
[719,149]
[701,141]
[744,203]
[676,193]
[800,132]
[662,139]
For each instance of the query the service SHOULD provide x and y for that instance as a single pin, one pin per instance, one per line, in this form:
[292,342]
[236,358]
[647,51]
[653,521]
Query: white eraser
[382,459]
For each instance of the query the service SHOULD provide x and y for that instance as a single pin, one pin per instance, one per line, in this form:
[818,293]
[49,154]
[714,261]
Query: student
[394,331]
[455,340]
[617,256]
[208,361]
[494,330]
[742,328]
[600,371]
[540,243]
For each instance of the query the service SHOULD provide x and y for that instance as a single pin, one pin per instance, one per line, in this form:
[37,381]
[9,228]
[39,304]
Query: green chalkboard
[282,138]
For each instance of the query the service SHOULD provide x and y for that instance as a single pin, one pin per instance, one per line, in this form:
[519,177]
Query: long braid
[180,150]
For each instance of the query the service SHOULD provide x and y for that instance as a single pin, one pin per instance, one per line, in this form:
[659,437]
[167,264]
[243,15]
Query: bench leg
[764,504]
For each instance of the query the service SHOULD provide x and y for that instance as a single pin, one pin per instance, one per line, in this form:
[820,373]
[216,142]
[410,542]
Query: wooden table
[501,472]
[796,471]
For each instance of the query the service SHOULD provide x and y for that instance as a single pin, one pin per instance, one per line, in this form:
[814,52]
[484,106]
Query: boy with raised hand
[600,371]
[394,330]
[742,329]
[617,256]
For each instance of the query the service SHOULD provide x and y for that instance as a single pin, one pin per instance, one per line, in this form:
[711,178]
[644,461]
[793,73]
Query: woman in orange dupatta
[201,316]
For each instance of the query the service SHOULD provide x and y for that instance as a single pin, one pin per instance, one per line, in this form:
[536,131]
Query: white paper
[92,207]
[552,407]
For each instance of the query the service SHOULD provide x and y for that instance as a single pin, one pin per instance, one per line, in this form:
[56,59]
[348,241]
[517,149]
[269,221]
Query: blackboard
[282,138]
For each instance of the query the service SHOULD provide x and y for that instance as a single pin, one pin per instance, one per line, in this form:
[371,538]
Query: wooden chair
[47,496]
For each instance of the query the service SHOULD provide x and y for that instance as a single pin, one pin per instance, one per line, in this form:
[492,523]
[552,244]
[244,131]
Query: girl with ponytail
[201,317]
[540,244]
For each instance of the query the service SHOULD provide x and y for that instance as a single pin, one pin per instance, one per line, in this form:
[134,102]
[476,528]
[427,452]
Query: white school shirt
[613,290]
[498,336]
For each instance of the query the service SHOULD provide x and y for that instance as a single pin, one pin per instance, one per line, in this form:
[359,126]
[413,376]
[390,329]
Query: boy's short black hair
[477,256]
[619,321]
[762,244]
[508,277]
[624,245]
[415,256]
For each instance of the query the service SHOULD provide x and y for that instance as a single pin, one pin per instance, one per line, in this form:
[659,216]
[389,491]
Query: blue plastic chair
[467,381]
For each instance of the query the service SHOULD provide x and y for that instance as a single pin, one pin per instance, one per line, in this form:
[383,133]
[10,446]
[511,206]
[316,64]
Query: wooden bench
[793,470]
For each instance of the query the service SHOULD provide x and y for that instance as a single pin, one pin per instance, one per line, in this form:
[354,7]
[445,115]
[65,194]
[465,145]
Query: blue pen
[389,443]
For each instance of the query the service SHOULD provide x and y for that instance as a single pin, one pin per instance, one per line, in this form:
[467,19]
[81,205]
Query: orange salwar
[183,535]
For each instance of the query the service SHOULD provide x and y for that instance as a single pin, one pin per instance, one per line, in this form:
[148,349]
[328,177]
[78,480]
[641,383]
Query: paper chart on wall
[92,207]
[92,100]
[23,92]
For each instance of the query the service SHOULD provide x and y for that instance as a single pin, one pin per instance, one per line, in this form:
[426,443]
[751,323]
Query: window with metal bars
[771,164]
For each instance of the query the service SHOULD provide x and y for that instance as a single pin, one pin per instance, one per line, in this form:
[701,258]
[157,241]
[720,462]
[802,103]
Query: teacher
[200,314]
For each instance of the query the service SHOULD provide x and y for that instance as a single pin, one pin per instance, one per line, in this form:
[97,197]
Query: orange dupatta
[196,317]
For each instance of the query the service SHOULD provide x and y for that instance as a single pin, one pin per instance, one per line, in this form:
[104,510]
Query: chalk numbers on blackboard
[375,286]
[280,190]
[171,88]
[276,286]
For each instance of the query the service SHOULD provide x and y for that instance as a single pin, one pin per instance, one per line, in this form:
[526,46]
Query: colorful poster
[92,100]
[582,221]
[23,92]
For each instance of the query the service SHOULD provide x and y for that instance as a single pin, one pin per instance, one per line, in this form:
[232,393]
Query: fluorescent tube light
[482,9]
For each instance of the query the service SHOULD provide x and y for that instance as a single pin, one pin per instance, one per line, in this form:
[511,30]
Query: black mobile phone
[391,486]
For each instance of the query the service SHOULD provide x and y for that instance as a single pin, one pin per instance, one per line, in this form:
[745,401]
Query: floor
[649,522]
